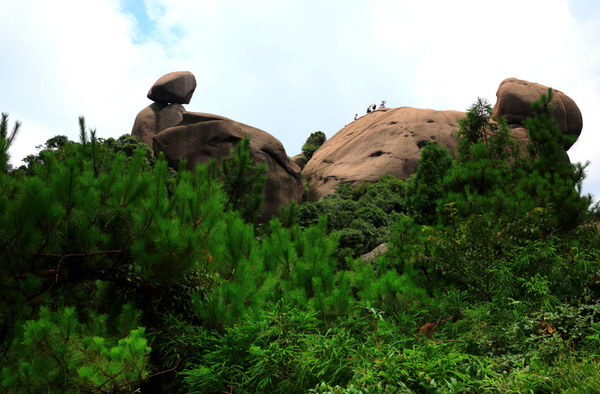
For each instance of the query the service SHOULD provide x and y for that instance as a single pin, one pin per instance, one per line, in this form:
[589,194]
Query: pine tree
[6,140]
[492,177]
[94,229]
[425,186]
[553,180]
[59,353]
[242,181]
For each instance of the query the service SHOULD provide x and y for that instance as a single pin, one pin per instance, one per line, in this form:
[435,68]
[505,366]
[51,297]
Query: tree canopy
[121,274]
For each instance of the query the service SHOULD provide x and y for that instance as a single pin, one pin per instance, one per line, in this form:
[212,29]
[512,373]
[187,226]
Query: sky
[289,67]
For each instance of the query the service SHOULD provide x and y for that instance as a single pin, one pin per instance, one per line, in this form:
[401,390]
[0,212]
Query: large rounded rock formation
[200,137]
[514,98]
[386,141]
[166,127]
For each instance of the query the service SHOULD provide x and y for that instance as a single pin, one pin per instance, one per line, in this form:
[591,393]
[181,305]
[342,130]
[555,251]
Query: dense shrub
[313,142]
[121,274]
[361,216]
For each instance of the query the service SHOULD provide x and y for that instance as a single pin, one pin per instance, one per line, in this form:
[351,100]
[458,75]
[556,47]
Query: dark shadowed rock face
[176,87]
[300,160]
[200,137]
[387,141]
[514,98]
[155,118]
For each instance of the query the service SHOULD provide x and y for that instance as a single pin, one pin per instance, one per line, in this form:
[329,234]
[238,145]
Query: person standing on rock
[382,104]
[355,116]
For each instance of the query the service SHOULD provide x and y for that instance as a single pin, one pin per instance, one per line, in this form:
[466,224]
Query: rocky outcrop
[176,87]
[514,98]
[168,93]
[155,118]
[375,253]
[386,141]
[166,127]
[200,137]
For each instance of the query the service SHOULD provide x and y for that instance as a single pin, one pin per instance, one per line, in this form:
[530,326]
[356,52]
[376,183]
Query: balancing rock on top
[165,126]
[168,93]
[176,87]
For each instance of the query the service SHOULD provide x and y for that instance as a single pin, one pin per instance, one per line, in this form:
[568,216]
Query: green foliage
[425,187]
[56,142]
[128,145]
[497,261]
[242,182]
[491,177]
[6,140]
[360,216]
[476,127]
[313,142]
[58,146]
[58,353]
[554,180]
[99,239]
[486,177]
[95,229]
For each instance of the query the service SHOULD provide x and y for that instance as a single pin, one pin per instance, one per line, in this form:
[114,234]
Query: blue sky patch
[137,8]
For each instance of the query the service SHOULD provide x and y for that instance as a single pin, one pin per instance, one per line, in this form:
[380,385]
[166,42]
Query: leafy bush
[498,292]
[518,259]
[313,142]
[361,216]
[424,188]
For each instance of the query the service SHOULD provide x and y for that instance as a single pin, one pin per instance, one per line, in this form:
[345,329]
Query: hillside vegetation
[121,274]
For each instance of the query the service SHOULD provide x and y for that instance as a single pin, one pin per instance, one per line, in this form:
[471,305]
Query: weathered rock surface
[176,87]
[386,141]
[514,98]
[200,137]
[155,118]
[375,253]
[300,160]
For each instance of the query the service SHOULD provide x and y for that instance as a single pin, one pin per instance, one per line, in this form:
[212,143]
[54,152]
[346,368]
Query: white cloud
[290,68]
[68,59]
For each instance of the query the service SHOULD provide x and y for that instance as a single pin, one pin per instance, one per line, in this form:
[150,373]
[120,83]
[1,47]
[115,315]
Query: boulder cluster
[168,93]
[385,141]
[388,140]
[167,127]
